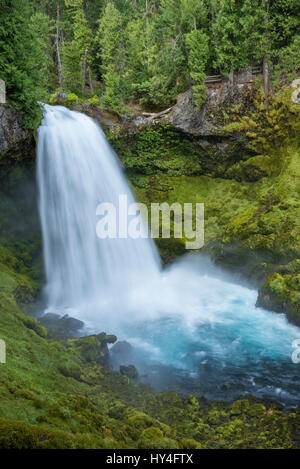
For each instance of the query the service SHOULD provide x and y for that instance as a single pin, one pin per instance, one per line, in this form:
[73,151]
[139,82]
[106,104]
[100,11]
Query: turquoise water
[201,332]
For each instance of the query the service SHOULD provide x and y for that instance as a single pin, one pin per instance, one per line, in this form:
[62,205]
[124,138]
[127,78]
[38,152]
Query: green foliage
[272,123]
[234,27]
[112,54]
[75,52]
[198,47]
[143,51]
[25,58]
[288,65]
[155,150]
[33,324]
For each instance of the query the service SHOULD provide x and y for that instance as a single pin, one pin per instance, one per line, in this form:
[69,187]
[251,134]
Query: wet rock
[296,93]
[61,327]
[121,349]
[121,353]
[13,138]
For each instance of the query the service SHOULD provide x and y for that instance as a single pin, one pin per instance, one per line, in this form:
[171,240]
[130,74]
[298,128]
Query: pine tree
[23,43]
[76,57]
[236,23]
[198,47]
[111,44]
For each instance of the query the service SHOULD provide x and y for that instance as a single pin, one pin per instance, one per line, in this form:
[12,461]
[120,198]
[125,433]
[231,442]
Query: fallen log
[155,115]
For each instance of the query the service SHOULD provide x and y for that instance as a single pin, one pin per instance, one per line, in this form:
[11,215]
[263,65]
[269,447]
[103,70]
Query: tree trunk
[59,65]
[147,32]
[266,73]
[91,82]
[213,20]
[266,68]
[84,70]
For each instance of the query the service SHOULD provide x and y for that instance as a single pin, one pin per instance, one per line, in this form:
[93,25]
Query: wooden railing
[257,70]
[249,73]
[212,79]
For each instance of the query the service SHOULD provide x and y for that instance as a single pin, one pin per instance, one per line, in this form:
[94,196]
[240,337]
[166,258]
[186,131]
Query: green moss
[158,149]
[130,371]
[253,169]
[282,293]
[33,324]
[152,438]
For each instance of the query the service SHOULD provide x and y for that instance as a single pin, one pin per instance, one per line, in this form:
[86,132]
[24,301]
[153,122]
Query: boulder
[209,119]
[61,327]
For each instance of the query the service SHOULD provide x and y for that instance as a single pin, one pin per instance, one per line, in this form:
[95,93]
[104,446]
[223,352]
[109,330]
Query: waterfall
[77,169]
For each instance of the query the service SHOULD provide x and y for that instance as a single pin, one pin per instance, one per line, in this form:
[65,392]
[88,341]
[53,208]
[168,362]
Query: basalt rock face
[15,142]
[202,129]
[209,119]
[20,237]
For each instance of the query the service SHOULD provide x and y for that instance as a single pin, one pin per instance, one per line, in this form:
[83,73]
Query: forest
[140,51]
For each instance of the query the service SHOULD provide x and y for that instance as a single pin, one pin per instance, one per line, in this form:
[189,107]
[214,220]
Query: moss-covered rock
[130,371]
[61,327]
[282,293]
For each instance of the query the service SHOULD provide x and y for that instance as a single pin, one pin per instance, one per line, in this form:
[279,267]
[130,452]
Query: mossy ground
[57,394]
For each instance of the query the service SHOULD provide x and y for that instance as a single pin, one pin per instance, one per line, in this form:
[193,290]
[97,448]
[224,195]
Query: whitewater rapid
[190,316]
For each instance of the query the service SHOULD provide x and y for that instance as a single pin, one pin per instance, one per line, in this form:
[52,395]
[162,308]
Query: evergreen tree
[24,40]
[111,43]
[76,51]
[198,46]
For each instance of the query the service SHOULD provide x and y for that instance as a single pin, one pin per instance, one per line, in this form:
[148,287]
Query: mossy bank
[59,394]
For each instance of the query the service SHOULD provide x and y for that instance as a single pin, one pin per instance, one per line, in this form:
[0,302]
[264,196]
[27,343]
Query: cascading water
[191,322]
[77,170]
